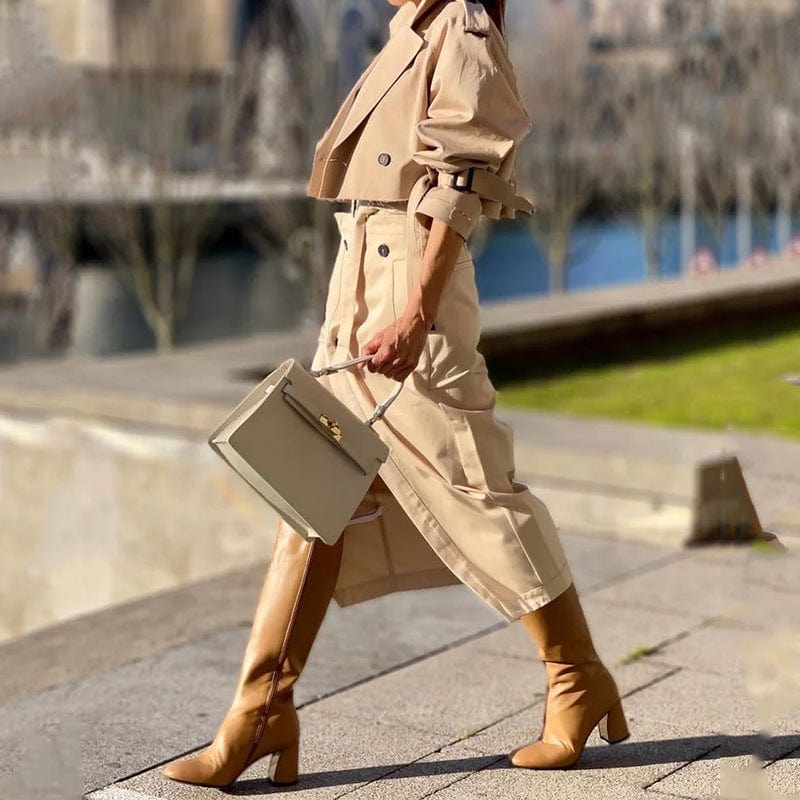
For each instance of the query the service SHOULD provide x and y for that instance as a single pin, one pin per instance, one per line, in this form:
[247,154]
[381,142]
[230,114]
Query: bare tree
[776,99]
[296,92]
[555,161]
[57,229]
[164,127]
[301,69]
[722,105]
[646,166]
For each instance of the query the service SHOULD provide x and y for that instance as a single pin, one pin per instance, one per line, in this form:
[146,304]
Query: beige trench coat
[439,99]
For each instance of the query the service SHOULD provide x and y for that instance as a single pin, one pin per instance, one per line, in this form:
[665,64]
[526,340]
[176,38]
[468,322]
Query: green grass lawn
[708,379]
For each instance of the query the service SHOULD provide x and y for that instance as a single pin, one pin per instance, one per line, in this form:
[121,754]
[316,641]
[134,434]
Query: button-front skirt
[452,510]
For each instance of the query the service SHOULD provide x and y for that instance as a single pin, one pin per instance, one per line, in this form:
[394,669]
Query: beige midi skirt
[448,506]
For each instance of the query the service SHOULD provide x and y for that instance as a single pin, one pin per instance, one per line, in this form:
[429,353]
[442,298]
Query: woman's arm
[396,350]
[474,119]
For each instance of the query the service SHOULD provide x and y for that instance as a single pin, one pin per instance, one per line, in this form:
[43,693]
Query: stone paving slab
[441,725]
[696,588]
[331,724]
[183,650]
[700,702]
[429,775]
[784,775]
[336,757]
[456,693]
[147,710]
[717,647]
[596,561]
[782,576]
[107,639]
[652,752]
[507,782]
[701,778]
[523,726]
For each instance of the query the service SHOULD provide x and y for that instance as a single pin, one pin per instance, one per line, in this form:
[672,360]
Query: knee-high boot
[581,691]
[262,719]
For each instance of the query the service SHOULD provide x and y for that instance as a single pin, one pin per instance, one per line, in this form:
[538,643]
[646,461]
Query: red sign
[703,263]
[758,258]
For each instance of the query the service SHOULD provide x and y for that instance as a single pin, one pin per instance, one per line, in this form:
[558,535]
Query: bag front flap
[334,419]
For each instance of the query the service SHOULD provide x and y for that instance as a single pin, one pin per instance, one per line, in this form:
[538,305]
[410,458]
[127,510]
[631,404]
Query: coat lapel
[398,53]
[344,108]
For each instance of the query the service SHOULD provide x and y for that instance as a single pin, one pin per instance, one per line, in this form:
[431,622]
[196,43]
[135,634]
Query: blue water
[602,254]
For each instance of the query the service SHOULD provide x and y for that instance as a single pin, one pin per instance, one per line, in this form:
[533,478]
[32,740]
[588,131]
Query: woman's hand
[396,350]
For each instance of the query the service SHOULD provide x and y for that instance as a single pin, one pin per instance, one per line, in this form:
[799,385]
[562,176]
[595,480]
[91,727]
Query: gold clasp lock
[332,426]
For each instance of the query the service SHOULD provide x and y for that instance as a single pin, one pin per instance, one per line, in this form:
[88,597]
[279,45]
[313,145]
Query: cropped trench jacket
[435,119]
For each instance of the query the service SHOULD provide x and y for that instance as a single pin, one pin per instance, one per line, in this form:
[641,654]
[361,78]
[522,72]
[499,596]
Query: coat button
[383,250]
[344,242]
[384,159]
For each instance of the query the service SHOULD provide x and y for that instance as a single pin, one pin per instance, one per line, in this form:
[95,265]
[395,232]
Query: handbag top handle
[381,408]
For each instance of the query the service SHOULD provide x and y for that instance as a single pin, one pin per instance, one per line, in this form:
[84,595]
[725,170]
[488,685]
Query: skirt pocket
[483,448]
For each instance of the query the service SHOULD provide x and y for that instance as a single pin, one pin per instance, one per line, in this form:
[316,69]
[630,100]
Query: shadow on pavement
[620,756]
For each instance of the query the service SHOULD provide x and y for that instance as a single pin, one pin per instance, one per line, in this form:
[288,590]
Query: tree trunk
[164,333]
[744,211]
[783,232]
[688,180]
[557,254]
[652,249]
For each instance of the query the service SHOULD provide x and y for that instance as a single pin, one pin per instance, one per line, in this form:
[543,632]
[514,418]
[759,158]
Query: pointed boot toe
[541,755]
[190,770]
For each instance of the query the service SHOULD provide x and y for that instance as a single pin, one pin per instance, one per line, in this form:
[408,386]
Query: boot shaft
[560,630]
[294,599]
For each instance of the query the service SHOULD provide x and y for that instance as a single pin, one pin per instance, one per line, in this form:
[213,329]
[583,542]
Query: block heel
[284,765]
[613,727]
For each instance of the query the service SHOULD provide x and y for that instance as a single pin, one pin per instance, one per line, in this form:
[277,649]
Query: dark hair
[497,11]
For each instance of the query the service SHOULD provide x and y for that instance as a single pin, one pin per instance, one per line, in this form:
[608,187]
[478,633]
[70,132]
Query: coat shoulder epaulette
[476,19]
[463,15]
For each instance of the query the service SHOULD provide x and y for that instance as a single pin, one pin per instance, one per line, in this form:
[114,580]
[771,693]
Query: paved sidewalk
[423,694]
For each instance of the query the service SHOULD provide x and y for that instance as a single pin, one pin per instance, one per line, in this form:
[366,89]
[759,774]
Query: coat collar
[389,64]
[410,12]
[401,49]
[476,17]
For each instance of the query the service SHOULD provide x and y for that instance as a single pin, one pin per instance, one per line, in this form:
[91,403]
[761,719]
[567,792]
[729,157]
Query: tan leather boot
[581,691]
[262,719]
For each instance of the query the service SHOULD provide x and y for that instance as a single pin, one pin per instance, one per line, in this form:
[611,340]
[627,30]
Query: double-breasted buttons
[383,250]
[384,159]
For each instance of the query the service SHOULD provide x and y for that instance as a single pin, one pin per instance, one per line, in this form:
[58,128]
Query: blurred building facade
[616,21]
[622,60]
[63,63]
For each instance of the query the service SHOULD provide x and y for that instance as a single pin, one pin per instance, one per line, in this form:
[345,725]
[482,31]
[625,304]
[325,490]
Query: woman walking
[422,146]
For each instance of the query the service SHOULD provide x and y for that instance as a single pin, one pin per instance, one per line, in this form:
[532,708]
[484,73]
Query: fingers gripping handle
[381,408]
[318,373]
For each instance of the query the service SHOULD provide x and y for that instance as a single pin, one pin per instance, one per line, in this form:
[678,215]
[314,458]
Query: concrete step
[640,481]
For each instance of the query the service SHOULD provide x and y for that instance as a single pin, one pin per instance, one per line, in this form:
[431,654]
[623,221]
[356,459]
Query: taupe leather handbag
[310,457]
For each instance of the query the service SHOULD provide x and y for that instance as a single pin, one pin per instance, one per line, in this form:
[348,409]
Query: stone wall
[93,514]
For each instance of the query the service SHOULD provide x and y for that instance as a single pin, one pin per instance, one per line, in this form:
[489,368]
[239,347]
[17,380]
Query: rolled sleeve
[475,118]
[460,210]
